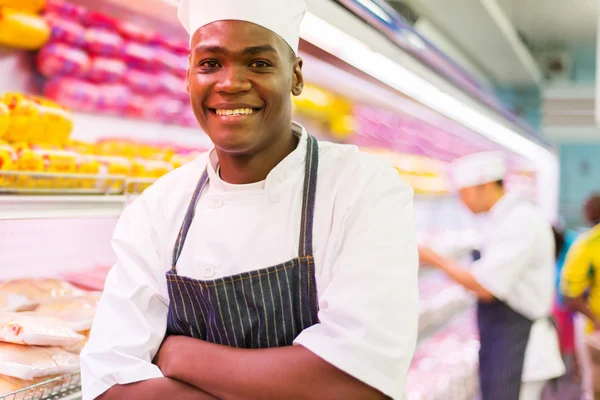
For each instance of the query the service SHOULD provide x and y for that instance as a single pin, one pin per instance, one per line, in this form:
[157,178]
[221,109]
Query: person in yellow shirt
[580,285]
[580,282]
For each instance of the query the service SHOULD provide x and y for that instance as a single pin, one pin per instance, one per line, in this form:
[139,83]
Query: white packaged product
[14,302]
[30,362]
[76,313]
[28,328]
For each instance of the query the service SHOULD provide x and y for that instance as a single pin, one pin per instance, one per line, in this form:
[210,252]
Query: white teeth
[239,111]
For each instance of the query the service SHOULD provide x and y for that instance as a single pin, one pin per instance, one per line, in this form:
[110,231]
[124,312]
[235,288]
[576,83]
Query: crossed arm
[196,369]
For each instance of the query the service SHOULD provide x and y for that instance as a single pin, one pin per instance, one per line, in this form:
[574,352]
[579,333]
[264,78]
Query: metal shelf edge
[35,207]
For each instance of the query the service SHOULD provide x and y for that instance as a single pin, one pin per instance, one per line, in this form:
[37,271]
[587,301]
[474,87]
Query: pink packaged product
[113,98]
[102,42]
[141,82]
[136,33]
[31,329]
[137,106]
[65,9]
[106,70]
[30,362]
[176,64]
[165,109]
[95,19]
[65,31]
[90,279]
[172,85]
[140,57]
[76,94]
[57,59]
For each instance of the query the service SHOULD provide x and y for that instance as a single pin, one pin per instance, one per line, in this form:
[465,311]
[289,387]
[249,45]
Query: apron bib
[263,308]
[504,334]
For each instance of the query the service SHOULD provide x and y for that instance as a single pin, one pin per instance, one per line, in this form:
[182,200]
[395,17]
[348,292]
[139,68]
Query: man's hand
[429,257]
[170,353]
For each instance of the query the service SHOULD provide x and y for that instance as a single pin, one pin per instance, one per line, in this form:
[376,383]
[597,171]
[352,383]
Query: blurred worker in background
[580,285]
[513,281]
[563,316]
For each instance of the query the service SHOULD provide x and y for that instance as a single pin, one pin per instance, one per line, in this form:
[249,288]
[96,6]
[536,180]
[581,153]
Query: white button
[216,203]
[209,271]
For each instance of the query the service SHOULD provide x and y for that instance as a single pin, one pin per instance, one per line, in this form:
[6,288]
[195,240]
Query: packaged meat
[172,62]
[74,93]
[99,20]
[13,302]
[106,70]
[136,33]
[78,347]
[31,329]
[31,362]
[141,57]
[76,313]
[177,46]
[22,30]
[9,385]
[65,31]
[40,290]
[58,59]
[113,98]
[172,85]
[166,109]
[65,9]
[102,42]
[91,279]
[141,82]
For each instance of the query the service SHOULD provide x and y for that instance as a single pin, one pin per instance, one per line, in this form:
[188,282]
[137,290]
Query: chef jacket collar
[278,175]
[503,205]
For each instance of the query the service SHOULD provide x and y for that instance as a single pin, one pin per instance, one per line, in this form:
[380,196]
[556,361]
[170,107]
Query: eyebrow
[247,51]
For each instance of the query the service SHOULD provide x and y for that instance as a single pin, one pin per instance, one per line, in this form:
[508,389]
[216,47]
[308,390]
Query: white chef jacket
[518,267]
[364,248]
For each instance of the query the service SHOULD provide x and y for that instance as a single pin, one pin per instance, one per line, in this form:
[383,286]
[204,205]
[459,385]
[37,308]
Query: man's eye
[260,64]
[209,64]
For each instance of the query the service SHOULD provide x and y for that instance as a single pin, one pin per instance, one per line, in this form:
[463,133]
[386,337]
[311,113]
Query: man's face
[473,198]
[240,79]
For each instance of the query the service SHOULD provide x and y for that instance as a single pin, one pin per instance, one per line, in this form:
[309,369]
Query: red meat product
[65,9]
[141,57]
[59,59]
[106,70]
[172,85]
[76,94]
[141,82]
[99,20]
[102,42]
[172,62]
[177,46]
[165,109]
[137,107]
[136,33]
[113,99]
[65,31]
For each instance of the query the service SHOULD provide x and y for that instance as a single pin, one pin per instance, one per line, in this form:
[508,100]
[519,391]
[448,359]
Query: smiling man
[272,267]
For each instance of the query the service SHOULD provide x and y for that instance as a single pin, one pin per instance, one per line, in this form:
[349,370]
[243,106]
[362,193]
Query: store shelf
[36,207]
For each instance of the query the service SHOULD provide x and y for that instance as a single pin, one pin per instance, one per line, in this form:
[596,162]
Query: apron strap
[308,200]
[308,205]
[187,221]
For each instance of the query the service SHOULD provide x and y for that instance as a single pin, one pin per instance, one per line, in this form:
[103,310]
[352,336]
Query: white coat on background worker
[513,282]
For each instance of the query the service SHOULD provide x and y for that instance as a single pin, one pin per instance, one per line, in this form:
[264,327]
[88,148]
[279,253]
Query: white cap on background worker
[477,169]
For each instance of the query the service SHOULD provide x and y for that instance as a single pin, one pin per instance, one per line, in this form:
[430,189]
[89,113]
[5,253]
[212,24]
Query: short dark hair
[500,183]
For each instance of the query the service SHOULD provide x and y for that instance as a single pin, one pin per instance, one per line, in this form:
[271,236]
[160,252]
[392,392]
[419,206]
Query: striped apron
[504,334]
[257,309]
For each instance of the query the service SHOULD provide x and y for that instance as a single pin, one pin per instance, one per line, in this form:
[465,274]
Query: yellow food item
[110,166]
[56,161]
[22,29]
[24,118]
[8,159]
[29,161]
[56,123]
[32,6]
[4,119]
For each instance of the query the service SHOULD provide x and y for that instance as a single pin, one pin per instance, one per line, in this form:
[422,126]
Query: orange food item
[22,30]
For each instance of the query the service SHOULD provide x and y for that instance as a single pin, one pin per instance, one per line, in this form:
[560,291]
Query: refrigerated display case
[57,222]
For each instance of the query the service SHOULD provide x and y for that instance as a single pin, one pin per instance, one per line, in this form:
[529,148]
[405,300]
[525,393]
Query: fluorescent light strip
[358,54]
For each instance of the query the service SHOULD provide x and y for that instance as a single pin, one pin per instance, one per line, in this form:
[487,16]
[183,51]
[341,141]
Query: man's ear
[297,77]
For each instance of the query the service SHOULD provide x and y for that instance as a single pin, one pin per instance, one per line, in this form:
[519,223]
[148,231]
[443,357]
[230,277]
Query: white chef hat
[477,169]
[280,16]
